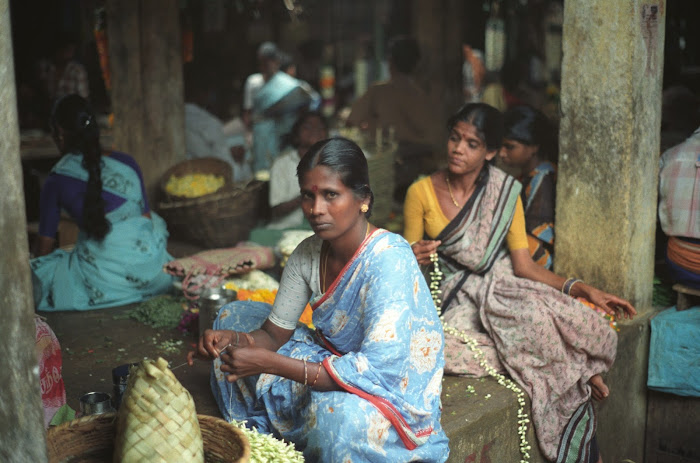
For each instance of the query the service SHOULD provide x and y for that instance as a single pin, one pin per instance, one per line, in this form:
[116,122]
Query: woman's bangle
[568,284]
[237,339]
[317,372]
[305,375]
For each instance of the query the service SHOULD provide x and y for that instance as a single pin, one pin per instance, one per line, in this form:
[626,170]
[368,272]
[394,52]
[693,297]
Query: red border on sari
[410,439]
[360,248]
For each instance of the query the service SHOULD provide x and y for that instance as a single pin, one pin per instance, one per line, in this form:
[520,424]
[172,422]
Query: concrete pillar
[607,187]
[21,417]
[609,144]
[147,90]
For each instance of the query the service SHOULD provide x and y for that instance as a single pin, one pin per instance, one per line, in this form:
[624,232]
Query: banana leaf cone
[157,421]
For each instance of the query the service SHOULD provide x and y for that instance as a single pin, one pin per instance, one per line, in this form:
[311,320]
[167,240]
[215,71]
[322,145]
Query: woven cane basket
[211,166]
[381,179]
[91,440]
[218,220]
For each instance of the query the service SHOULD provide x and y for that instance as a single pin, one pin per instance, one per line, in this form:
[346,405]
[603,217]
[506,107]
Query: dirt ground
[96,341]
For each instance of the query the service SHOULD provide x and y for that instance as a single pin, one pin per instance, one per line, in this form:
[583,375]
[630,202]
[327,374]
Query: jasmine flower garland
[435,278]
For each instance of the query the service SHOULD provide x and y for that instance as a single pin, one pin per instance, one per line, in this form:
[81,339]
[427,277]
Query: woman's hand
[213,342]
[240,362]
[612,305]
[423,249]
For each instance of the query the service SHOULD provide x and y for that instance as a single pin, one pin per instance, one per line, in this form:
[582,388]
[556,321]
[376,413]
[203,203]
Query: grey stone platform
[483,429]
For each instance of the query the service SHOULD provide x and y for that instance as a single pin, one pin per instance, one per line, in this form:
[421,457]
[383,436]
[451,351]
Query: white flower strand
[267,448]
[435,279]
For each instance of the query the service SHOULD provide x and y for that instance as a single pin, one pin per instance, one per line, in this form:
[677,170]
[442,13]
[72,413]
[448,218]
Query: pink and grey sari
[548,342]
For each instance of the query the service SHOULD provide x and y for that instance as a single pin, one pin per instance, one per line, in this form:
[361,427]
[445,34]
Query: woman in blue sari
[121,249]
[365,386]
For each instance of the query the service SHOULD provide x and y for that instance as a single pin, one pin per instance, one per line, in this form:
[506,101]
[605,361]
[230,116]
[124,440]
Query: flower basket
[218,220]
[91,440]
[212,166]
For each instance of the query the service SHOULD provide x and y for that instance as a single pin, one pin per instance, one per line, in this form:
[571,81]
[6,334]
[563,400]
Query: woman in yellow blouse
[524,317]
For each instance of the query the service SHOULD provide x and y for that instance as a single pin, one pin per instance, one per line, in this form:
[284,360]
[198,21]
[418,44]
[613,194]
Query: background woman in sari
[530,145]
[275,103]
[524,317]
[365,386]
[119,256]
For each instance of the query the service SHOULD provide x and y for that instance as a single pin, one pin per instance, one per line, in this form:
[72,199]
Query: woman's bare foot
[599,389]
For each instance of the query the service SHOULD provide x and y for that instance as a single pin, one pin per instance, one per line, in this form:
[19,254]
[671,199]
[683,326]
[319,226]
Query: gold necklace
[324,267]
[449,189]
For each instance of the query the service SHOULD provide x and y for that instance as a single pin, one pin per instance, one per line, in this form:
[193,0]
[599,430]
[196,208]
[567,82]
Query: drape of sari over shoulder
[379,338]
[548,342]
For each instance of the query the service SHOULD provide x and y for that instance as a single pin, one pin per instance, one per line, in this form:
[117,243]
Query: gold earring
[311,211]
[364,208]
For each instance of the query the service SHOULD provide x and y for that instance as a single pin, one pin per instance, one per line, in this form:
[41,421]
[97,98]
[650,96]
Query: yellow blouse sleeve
[517,236]
[413,213]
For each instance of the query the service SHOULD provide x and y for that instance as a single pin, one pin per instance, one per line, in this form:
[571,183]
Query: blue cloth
[674,352]
[680,275]
[125,267]
[381,341]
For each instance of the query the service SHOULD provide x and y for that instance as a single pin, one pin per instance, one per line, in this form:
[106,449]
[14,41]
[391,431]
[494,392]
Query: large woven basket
[91,440]
[213,166]
[217,220]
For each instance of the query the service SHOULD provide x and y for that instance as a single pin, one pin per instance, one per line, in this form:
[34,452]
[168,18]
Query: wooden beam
[21,417]
[147,89]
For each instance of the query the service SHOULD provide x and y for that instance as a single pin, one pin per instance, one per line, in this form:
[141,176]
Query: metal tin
[210,301]
[95,403]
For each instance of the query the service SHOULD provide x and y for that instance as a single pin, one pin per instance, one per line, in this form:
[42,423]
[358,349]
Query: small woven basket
[217,220]
[91,440]
[157,420]
[211,166]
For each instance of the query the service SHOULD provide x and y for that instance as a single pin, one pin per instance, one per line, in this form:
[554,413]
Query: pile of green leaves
[663,295]
[162,311]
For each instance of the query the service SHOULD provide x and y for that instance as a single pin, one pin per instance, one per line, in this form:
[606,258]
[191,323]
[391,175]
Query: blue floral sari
[378,336]
[125,267]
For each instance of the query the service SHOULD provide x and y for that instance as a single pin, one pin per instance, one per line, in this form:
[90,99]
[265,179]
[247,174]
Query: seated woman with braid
[119,256]
[365,386]
[523,317]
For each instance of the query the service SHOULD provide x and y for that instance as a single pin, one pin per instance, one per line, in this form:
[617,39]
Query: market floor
[96,341]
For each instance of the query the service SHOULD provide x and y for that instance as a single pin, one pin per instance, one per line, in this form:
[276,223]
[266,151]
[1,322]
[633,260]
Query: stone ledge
[481,429]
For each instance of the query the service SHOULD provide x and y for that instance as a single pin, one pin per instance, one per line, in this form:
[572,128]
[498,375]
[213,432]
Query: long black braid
[81,135]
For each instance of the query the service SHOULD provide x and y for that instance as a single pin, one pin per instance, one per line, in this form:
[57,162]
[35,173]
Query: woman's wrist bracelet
[568,284]
[317,372]
[305,371]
